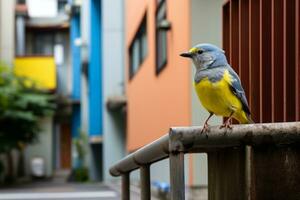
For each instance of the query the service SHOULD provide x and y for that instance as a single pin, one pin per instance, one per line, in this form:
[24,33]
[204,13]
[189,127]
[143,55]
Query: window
[61,5]
[43,43]
[161,36]
[138,48]
[21,2]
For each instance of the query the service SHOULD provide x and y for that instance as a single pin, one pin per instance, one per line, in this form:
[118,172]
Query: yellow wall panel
[42,70]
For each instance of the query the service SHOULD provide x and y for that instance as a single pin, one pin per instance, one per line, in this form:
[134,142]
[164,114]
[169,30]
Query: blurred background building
[118,78]
[75,50]
[42,52]
[97,36]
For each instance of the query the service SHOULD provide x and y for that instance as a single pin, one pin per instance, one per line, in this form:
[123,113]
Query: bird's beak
[186,54]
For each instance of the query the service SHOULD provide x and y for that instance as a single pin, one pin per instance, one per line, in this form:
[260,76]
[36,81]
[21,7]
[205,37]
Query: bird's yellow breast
[217,97]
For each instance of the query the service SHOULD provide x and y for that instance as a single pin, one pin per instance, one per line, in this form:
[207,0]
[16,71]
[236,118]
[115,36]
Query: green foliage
[22,105]
[81,174]
[1,168]
[80,146]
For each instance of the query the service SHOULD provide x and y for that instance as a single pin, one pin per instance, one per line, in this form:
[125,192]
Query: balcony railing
[40,69]
[256,161]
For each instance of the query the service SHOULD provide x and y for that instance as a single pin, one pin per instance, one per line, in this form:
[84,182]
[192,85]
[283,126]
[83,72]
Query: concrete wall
[206,27]
[7,31]
[113,81]
[84,58]
[64,70]
[43,148]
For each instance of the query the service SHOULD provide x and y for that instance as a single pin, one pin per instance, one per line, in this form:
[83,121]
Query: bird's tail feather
[244,118]
[250,120]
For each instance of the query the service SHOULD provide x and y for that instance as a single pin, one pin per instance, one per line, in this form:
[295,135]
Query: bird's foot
[205,129]
[226,125]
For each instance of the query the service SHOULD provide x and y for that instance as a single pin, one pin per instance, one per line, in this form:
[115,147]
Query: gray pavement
[51,190]
[61,190]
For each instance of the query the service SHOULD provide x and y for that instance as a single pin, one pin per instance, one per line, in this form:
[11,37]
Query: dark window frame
[160,4]
[138,38]
[61,5]
[21,2]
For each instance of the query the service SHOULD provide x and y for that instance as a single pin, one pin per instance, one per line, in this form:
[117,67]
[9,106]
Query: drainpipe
[20,34]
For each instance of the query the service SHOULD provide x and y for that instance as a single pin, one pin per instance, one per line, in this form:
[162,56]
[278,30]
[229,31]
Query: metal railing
[256,161]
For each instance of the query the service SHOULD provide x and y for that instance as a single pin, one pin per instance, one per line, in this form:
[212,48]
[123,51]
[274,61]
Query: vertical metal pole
[177,176]
[125,187]
[145,182]
[248,167]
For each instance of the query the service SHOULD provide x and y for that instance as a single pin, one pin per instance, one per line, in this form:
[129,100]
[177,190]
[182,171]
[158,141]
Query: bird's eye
[199,51]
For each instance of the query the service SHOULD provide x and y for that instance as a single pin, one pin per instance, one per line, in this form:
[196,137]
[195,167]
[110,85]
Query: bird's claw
[205,129]
[226,125]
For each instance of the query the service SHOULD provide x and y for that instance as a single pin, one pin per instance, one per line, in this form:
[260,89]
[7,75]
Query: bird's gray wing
[237,89]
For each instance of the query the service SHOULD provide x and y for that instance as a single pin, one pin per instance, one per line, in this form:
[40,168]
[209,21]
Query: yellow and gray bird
[217,85]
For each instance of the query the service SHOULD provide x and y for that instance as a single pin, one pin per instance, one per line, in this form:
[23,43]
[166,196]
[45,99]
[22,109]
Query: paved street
[51,190]
[59,190]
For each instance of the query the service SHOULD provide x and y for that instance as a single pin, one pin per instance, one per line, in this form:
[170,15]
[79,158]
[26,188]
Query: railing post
[276,172]
[266,170]
[177,176]
[227,173]
[126,186]
[145,182]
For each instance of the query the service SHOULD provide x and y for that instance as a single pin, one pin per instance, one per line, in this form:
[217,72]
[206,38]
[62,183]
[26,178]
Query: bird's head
[206,56]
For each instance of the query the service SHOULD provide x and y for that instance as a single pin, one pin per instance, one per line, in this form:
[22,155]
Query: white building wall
[84,99]
[84,58]
[113,81]
[42,148]
[7,31]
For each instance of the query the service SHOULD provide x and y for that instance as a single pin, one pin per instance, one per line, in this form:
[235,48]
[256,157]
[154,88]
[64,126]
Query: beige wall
[7,31]
[156,103]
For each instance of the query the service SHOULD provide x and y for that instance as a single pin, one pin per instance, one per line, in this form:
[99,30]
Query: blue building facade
[95,71]
[76,70]
[98,76]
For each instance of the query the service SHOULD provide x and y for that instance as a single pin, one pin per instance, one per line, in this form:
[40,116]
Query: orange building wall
[156,103]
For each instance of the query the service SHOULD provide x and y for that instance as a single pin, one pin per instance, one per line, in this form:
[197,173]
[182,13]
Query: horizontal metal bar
[190,139]
[153,152]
